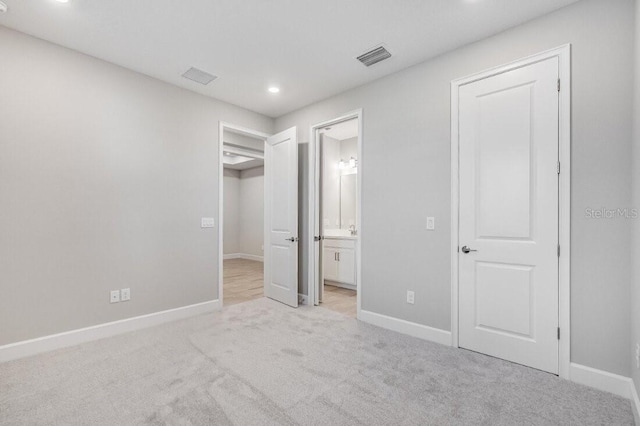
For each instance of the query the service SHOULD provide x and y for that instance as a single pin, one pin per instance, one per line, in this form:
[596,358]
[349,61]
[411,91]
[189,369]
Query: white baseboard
[601,380]
[243,256]
[75,337]
[635,403]
[406,327]
[341,285]
[303,299]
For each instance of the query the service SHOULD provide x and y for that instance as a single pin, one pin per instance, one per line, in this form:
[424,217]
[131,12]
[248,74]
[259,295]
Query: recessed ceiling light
[62,1]
[274,89]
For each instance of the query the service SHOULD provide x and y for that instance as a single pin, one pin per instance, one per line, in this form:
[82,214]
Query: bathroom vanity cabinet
[340,261]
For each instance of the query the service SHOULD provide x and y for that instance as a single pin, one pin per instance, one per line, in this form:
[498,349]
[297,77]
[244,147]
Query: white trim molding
[601,380]
[243,256]
[563,53]
[75,337]
[407,327]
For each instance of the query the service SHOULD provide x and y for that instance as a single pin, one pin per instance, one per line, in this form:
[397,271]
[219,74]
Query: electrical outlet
[410,297]
[637,355]
[431,223]
[125,294]
[115,296]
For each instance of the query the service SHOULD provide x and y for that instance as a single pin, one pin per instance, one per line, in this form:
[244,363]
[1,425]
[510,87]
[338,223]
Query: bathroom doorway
[335,214]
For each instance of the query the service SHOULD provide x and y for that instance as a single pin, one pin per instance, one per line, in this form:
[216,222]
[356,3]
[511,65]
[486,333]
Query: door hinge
[558,85]
[558,333]
[558,167]
[558,250]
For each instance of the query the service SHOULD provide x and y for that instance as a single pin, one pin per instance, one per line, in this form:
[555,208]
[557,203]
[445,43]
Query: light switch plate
[411,297]
[115,296]
[208,222]
[431,223]
[125,294]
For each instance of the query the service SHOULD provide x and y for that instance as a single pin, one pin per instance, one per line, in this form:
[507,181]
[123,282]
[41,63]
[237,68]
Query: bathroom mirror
[348,201]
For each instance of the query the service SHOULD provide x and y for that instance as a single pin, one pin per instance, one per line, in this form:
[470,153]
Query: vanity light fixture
[274,89]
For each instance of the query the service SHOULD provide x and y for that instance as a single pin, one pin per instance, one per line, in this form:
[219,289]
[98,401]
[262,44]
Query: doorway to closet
[258,211]
[243,213]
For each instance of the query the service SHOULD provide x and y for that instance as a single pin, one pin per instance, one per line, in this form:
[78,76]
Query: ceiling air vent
[374,56]
[199,76]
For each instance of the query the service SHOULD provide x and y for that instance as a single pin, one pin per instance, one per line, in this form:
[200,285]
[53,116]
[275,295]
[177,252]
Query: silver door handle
[292,239]
[466,249]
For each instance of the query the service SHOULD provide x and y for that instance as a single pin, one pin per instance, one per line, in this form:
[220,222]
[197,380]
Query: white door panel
[281,217]
[508,288]
[330,265]
[347,266]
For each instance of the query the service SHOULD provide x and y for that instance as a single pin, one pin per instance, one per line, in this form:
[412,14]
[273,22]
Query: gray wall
[231,192]
[104,176]
[252,211]
[405,169]
[349,148]
[635,289]
[244,211]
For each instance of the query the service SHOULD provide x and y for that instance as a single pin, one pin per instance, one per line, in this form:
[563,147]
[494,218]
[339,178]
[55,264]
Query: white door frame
[222,126]
[314,205]
[563,53]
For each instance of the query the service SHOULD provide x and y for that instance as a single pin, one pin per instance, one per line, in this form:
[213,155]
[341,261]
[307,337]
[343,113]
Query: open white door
[281,217]
[319,226]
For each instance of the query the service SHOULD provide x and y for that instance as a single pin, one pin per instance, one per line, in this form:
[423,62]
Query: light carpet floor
[262,363]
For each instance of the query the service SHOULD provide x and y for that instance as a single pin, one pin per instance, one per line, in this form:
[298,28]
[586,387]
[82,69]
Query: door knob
[292,239]
[466,249]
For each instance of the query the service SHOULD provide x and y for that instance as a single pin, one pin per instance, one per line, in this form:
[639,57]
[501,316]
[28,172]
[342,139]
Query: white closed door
[281,217]
[508,220]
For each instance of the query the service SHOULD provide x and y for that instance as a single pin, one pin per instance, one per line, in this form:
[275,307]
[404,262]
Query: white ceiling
[341,131]
[307,48]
